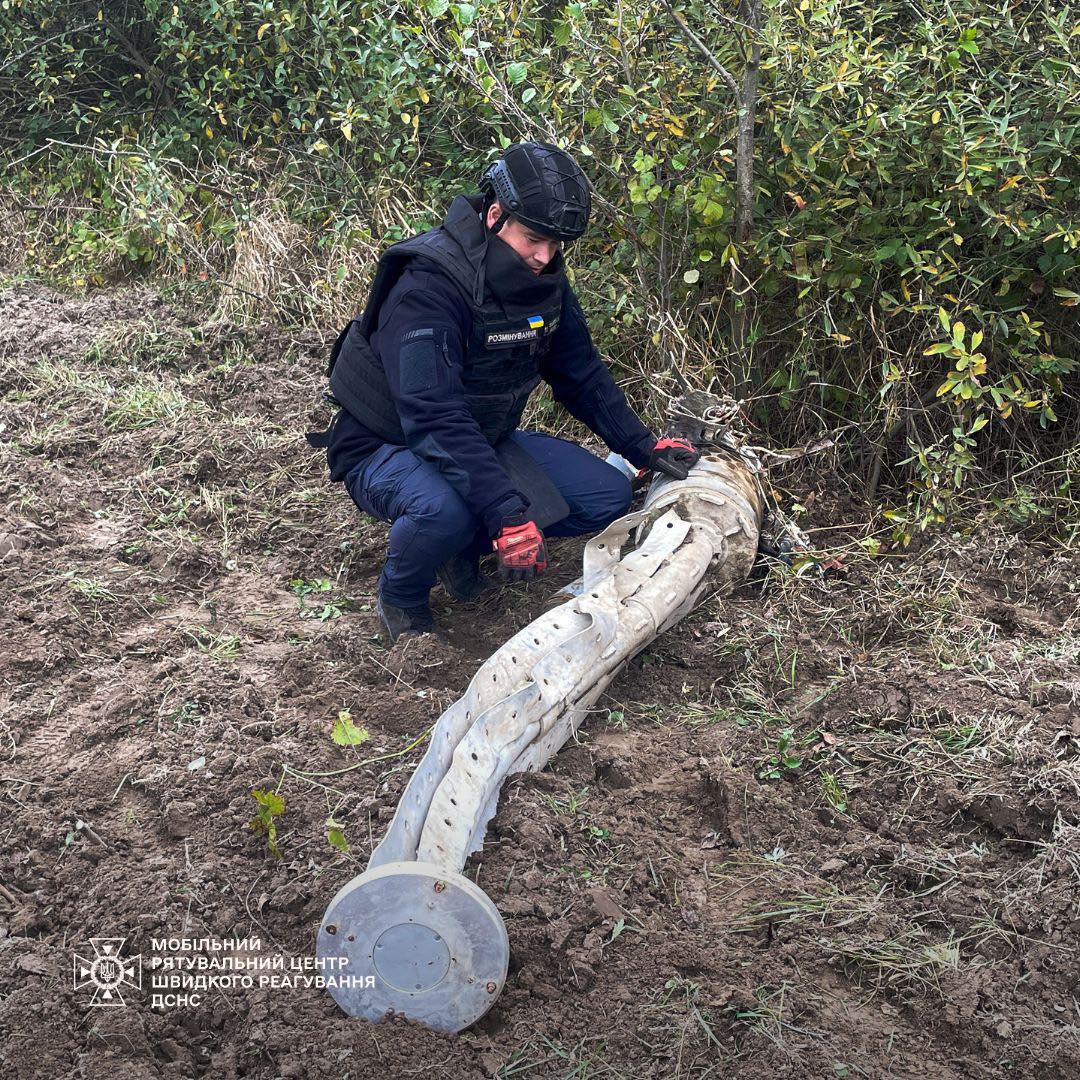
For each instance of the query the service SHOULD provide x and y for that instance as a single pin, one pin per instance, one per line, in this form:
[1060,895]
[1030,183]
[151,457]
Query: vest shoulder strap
[320,440]
[436,245]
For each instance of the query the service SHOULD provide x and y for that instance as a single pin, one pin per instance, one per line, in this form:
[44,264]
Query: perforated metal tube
[422,939]
[530,696]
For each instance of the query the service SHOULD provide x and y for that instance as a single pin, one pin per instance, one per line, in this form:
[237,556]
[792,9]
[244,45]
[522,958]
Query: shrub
[911,266]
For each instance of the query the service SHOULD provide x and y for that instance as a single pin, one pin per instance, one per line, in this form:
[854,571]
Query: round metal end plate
[410,938]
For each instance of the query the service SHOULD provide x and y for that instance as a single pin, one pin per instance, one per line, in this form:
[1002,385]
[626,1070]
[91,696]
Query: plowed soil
[826,827]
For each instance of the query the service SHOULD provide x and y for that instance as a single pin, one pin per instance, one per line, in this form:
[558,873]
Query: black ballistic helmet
[542,187]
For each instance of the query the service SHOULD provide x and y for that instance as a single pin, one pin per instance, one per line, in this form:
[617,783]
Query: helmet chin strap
[482,268]
[502,219]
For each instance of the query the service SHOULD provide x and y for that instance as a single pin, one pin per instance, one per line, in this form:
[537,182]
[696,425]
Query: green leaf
[517,73]
[528,95]
[273,802]
[437,8]
[691,276]
[958,331]
[336,837]
[346,733]
[943,318]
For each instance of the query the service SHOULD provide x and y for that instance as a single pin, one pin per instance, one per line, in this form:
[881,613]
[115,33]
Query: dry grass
[269,264]
[14,229]
[911,960]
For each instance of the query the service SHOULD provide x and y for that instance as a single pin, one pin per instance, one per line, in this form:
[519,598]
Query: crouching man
[462,323]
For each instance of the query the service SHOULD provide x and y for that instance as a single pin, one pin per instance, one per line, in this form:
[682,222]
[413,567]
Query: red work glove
[675,457]
[521,550]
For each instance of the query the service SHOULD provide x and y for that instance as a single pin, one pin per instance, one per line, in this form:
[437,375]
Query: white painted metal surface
[530,696]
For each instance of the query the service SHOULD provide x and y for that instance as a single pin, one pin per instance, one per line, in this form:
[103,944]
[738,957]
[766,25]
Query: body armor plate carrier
[510,336]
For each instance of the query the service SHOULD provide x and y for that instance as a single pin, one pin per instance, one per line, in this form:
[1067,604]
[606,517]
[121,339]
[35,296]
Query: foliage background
[911,277]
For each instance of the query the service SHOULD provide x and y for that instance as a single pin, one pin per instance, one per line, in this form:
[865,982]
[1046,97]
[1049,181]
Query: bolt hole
[447,820]
[474,757]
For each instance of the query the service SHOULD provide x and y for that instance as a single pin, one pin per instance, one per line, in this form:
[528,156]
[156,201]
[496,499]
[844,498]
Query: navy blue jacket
[424,297]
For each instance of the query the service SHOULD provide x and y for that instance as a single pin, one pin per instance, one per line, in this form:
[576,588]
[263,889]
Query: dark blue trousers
[431,522]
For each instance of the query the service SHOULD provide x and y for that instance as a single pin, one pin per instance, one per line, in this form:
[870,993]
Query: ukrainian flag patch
[536,322]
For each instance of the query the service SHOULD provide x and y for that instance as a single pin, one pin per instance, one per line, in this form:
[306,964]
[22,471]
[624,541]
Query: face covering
[514,285]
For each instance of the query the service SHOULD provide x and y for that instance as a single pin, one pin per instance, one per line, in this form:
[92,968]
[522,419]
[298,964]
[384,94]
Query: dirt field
[827,828]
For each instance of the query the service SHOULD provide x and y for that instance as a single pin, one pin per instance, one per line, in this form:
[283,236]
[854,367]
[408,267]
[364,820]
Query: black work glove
[676,457]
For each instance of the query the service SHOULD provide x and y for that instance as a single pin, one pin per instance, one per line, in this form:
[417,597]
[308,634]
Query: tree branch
[706,52]
[42,44]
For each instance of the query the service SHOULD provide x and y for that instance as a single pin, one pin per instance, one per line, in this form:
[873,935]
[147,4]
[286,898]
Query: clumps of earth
[826,827]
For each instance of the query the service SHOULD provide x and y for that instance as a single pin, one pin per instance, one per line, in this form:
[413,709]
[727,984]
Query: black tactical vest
[511,334]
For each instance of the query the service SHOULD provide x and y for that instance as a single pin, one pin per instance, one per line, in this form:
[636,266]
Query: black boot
[461,578]
[406,621]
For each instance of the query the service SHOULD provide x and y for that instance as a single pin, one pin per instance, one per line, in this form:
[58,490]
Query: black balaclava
[514,284]
[508,276]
